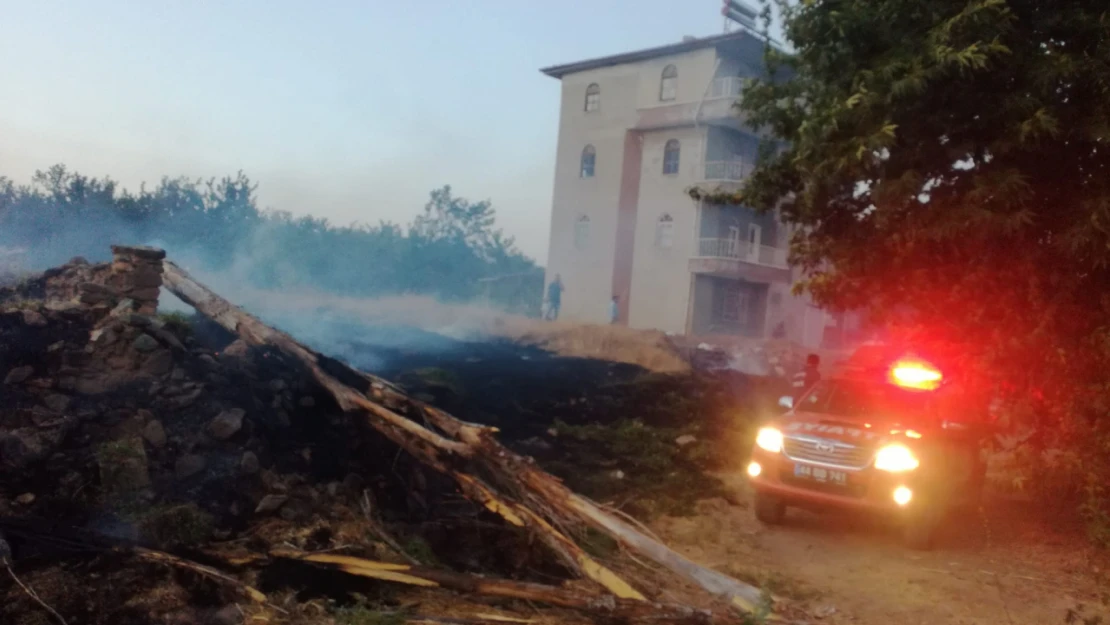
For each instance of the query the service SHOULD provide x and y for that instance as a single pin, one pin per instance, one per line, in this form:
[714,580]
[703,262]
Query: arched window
[671,153]
[593,97]
[664,231]
[668,86]
[589,155]
[581,232]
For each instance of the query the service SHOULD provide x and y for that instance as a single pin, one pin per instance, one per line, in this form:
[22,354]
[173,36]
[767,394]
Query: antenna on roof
[740,13]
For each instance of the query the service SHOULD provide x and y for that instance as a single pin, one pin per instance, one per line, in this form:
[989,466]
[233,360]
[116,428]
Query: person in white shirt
[614,310]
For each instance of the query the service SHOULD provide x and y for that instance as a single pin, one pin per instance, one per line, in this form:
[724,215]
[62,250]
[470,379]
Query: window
[671,153]
[668,86]
[732,304]
[664,232]
[588,157]
[581,232]
[593,97]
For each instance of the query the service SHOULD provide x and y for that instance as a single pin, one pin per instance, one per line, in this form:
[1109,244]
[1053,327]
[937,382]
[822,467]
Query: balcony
[732,258]
[727,171]
[726,87]
[733,249]
[716,108]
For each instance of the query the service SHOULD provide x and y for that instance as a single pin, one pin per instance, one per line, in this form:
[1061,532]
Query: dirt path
[999,570]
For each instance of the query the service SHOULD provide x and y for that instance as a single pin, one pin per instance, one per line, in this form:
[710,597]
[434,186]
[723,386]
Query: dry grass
[649,349]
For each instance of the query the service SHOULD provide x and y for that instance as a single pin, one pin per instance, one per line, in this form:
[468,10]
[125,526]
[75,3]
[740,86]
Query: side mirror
[786,401]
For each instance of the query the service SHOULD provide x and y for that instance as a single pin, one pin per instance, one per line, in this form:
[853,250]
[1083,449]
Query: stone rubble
[137,275]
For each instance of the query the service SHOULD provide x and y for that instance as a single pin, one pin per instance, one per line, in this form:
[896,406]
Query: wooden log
[433,449]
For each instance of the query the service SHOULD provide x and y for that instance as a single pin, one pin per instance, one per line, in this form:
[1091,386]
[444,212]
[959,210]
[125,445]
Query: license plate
[821,474]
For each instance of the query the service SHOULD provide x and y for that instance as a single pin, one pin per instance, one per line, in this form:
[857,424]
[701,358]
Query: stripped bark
[513,487]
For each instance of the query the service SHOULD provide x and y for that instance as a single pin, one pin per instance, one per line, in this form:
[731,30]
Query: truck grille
[824,451]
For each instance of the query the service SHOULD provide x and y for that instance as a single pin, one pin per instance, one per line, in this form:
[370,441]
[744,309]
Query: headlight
[770,440]
[896,459]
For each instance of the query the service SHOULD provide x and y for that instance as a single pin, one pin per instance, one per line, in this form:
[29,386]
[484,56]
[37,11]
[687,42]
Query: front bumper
[867,489]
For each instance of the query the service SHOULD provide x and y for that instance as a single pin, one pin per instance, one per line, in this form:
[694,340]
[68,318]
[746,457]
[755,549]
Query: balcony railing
[726,87]
[733,249]
[732,170]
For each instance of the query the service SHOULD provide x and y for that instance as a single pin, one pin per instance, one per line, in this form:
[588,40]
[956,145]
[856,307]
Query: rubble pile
[244,459]
[768,358]
[118,421]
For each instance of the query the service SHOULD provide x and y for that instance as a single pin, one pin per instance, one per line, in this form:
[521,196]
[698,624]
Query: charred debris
[161,468]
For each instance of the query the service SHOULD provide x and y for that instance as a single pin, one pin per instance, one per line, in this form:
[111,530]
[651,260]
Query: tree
[454,243]
[947,164]
[218,225]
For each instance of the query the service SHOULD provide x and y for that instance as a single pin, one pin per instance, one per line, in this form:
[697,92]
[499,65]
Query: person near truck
[806,378]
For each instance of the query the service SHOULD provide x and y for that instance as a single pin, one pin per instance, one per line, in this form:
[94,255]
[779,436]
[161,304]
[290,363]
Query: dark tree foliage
[445,252]
[947,163]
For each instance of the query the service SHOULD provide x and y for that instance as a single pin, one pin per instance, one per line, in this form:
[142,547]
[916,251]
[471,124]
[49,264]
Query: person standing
[807,378]
[554,298]
[614,310]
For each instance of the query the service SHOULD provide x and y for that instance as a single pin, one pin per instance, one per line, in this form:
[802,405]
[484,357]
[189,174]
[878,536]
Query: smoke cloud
[323,283]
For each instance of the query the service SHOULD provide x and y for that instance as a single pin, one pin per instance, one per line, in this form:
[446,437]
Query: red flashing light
[916,375]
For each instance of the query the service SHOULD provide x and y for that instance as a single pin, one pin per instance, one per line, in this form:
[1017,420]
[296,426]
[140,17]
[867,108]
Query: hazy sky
[351,110]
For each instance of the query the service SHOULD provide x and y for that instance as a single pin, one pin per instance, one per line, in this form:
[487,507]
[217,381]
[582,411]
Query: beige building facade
[636,131]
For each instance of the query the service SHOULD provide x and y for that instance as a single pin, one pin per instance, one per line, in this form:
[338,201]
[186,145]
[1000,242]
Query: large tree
[946,162]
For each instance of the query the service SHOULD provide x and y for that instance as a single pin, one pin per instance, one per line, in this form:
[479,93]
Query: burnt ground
[613,431]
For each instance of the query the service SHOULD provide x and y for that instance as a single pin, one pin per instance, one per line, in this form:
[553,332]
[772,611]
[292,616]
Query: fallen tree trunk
[528,488]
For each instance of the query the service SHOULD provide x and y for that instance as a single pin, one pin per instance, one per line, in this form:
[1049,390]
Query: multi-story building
[636,131]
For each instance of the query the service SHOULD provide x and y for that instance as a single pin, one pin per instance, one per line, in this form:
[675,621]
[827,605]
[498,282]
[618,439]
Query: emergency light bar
[915,374]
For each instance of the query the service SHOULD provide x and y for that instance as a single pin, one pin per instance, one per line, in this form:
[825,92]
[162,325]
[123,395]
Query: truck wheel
[769,509]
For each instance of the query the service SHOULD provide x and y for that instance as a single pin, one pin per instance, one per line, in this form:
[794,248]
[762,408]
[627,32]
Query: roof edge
[558,71]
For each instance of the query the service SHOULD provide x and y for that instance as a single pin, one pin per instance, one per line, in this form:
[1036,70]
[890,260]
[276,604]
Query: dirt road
[998,569]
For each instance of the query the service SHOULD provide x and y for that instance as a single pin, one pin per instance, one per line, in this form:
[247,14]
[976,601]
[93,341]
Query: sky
[346,109]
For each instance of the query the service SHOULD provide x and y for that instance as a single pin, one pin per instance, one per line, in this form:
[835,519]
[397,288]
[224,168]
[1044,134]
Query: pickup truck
[890,435]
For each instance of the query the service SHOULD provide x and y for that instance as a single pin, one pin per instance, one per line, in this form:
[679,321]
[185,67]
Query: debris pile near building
[156,471]
[774,358]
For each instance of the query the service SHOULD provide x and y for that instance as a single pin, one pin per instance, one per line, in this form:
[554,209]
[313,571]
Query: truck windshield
[851,398]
